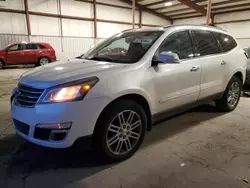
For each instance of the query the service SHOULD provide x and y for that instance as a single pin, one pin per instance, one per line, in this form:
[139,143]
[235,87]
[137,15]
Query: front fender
[137,92]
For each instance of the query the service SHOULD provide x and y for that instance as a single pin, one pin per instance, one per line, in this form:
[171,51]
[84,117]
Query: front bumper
[83,115]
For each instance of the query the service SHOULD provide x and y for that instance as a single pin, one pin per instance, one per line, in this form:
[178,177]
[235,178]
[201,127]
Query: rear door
[15,54]
[212,63]
[230,57]
[31,53]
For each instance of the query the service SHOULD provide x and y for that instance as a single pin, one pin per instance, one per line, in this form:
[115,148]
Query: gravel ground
[200,148]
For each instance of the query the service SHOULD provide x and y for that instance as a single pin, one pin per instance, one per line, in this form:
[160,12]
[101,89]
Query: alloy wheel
[233,94]
[44,61]
[124,132]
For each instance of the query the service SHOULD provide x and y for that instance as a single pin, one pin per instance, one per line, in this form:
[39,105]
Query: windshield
[127,47]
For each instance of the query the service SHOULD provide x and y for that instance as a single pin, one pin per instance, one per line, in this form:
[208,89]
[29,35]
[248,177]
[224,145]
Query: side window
[206,43]
[40,46]
[15,47]
[179,43]
[226,42]
[31,47]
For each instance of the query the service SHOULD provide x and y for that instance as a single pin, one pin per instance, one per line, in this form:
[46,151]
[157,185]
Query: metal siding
[244,42]
[73,46]
[6,39]
[65,47]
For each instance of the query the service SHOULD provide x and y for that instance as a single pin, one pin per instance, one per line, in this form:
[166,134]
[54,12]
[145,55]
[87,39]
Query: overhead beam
[144,8]
[155,3]
[194,6]
[231,11]
[180,18]
[95,19]
[213,4]
[26,8]
[174,16]
[226,8]
[232,7]
[177,5]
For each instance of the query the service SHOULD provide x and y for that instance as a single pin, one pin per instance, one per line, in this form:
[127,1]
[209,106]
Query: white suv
[112,97]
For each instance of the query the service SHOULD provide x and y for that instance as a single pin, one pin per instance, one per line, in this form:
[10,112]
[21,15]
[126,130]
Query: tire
[116,143]
[2,65]
[43,61]
[232,91]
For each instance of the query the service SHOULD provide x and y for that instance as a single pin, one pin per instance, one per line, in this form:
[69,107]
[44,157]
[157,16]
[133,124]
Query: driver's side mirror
[166,58]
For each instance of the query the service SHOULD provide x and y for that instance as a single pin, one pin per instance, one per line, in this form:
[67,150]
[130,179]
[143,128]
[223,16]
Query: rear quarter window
[41,46]
[226,42]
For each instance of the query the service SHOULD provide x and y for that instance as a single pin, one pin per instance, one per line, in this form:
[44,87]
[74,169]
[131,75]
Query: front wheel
[231,96]
[120,130]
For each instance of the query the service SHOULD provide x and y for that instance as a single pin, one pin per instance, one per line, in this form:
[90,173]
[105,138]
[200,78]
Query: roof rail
[208,25]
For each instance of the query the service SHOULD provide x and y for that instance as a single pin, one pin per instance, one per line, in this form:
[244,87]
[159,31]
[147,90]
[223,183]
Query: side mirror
[168,58]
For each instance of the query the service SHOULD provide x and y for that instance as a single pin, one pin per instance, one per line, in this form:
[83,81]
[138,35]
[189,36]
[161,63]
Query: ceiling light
[167,4]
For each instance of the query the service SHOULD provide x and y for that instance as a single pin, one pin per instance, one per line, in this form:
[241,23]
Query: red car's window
[17,47]
[40,46]
[31,46]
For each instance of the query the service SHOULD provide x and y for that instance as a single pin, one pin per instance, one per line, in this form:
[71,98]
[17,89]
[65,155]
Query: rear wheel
[43,61]
[2,65]
[231,96]
[120,130]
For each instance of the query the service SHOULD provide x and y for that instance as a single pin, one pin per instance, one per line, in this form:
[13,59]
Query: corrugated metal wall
[244,42]
[66,47]
[6,39]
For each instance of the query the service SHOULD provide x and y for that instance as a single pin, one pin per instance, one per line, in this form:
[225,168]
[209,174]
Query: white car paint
[164,87]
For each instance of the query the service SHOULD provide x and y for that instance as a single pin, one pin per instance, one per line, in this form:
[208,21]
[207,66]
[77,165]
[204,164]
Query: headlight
[70,92]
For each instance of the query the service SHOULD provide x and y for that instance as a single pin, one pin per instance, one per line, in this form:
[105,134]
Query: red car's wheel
[1,64]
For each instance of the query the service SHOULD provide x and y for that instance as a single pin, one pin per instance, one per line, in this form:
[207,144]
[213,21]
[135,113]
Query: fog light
[59,126]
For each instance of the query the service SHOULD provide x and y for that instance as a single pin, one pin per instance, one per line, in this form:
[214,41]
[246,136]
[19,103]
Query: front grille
[42,134]
[21,127]
[27,96]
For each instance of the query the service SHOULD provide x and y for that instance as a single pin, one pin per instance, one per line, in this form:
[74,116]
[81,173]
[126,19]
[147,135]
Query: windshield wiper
[101,59]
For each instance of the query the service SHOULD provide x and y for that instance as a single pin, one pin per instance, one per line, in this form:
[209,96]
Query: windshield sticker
[143,41]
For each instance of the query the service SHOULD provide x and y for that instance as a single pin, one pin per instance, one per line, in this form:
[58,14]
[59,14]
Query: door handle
[22,53]
[194,68]
[223,63]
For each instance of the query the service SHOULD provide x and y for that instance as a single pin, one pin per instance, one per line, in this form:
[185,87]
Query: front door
[15,55]
[177,84]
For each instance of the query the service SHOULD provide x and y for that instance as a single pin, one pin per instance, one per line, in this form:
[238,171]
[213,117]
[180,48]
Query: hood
[2,52]
[63,72]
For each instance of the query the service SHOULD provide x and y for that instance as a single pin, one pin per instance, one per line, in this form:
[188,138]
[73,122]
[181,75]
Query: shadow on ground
[19,66]
[29,158]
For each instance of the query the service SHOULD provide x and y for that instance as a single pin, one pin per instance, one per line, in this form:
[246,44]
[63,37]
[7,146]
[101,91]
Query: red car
[38,53]
[113,51]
